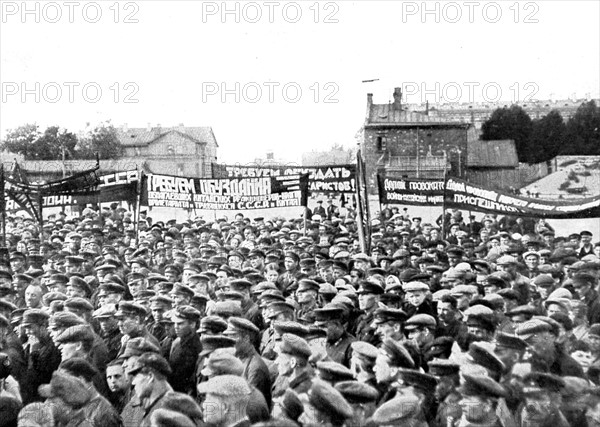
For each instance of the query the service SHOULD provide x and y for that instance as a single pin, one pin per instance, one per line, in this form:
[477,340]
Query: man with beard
[249,307]
[542,394]
[339,341]
[368,303]
[130,319]
[543,350]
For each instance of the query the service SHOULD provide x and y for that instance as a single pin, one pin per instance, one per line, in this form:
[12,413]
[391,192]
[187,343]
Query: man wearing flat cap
[226,401]
[330,406]
[40,353]
[339,341]
[246,334]
[293,353]
[368,302]
[306,296]
[480,399]
[185,349]
[149,379]
[130,318]
[392,356]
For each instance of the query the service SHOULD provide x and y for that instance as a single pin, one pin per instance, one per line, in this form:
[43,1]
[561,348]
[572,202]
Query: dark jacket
[42,360]
[182,358]
[257,374]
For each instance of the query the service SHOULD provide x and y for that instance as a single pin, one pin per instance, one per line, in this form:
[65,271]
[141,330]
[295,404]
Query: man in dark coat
[368,299]
[109,330]
[256,372]
[41,354]
[339,341]
[185,349]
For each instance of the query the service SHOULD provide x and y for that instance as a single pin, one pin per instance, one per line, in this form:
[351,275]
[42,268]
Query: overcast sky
[175,58]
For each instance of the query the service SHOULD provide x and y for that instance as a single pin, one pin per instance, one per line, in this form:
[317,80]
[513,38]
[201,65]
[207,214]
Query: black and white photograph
[299,213]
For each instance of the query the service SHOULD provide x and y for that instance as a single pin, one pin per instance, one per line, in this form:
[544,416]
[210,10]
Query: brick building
[397,142]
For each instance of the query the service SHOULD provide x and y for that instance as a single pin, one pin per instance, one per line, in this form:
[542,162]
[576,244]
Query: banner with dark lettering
[419,192]
[460,194]
[224,194]
[322,179]
[113,187]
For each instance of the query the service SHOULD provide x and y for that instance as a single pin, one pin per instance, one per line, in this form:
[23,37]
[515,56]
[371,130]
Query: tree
[33,145]
[547,137]
[102,140]
[22,140]
[510,123]
[582,136]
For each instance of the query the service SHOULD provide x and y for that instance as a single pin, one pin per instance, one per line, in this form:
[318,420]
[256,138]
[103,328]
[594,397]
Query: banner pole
[41,208]
[3,202]
[305,215]
[137,204]
[444,203]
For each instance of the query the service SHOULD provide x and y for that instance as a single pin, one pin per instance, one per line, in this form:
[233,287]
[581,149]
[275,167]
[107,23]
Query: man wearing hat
[339,341]
[585,284]
[293,353]
[245,334]
[363,360]
[421,330]
[416,301]
[130,319]
[41,355]
[392,356]
[586,247]
[330,406]
[479,401]
[389,323]
[306,296]
[149,379]
[368,303]
[185,349]
[226,401]
[159,306]
[518,282]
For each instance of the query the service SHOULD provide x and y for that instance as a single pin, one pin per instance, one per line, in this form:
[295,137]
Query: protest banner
[224,194]
[322,179]
[459,194]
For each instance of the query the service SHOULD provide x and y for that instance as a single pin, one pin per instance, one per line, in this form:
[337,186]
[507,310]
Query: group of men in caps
[267,323]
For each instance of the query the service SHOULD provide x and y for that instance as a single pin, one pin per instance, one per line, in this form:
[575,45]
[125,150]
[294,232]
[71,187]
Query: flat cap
[398,410]
[308,285]
[415,286]
[79,304]
[222,361]
[383,315]
[421,320]
[481,385]
[225,385]
[138,346]
[76,333]
[484,356]
[185,312]
[151,360]
[443,367]
[160,302]
[240,324]
[328,313]
[290,327]
[536,382]
[510,294]
[439,347]
[105,312]
[418,379]
[212,342]
[334,372]
[506,260]
[110,288]
[357,392]
[212,325]
[181,289]
[328,400]
[295,346]
[368,287]
[364,350]
[127,308]
[527,329]
[227,308]
[397,353]
[64,319]
[504,340]
[34,316]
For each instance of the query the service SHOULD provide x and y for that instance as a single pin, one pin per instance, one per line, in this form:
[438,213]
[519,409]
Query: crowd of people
[287,322]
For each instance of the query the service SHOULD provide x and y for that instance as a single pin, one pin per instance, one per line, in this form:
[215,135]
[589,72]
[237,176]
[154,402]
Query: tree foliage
[102,140]
[52,143]
[542,139]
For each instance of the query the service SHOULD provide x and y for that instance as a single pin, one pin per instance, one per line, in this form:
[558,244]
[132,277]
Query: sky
[287,77]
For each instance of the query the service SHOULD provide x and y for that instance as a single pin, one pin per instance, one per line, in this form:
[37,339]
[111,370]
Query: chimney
[149,128]
[369,99]
[125,128]
[398,99]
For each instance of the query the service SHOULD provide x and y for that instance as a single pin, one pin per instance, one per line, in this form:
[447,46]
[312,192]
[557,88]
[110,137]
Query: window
[381,143]
[170,149]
